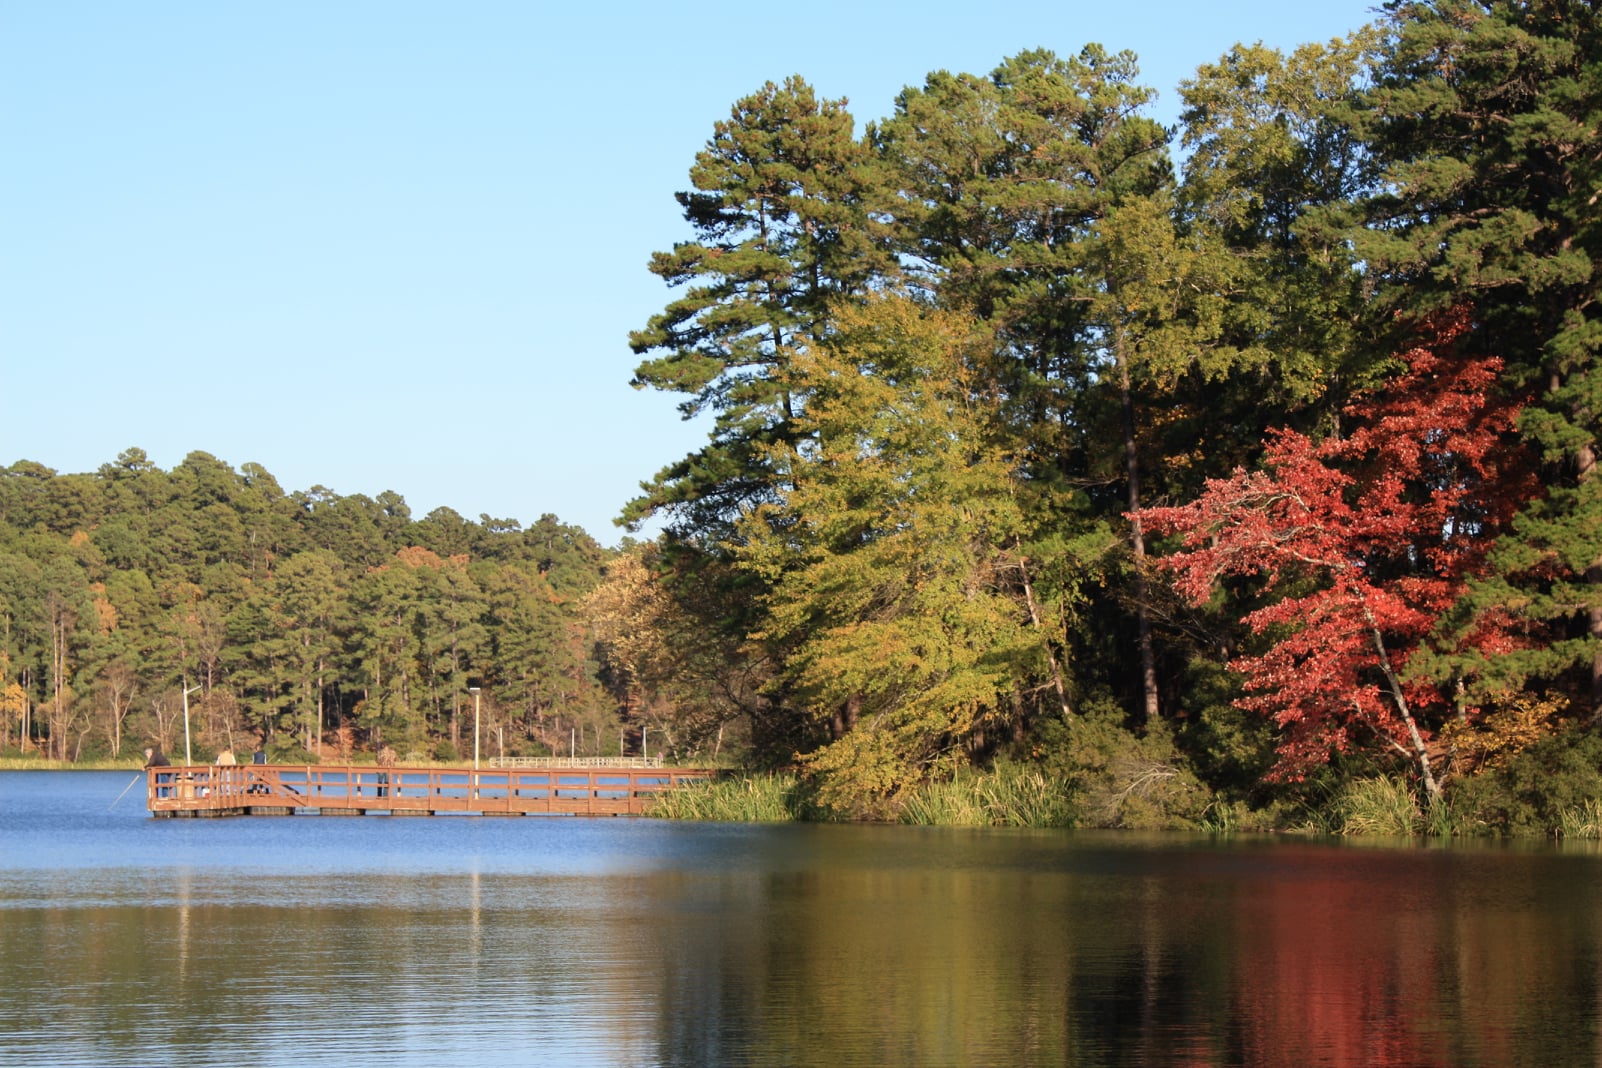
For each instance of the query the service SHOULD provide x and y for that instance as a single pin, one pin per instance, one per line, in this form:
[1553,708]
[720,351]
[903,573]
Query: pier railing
[284,789]
[574,762]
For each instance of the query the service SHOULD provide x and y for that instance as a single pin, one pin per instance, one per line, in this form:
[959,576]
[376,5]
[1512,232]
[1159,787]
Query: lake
[307,940]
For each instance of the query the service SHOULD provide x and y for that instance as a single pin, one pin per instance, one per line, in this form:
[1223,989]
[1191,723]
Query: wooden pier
[356,790]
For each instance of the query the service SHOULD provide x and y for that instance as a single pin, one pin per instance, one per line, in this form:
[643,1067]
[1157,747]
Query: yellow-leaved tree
[894,581]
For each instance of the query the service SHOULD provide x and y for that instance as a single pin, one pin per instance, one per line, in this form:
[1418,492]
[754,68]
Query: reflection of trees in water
[1403,959]
[1320,957]
[834,946]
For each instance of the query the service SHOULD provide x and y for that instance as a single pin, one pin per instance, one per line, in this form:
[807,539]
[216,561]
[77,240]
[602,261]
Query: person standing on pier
[155,758]
[386,760]
[258,757]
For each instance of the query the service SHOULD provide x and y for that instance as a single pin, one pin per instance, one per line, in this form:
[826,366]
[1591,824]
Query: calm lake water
[126,940]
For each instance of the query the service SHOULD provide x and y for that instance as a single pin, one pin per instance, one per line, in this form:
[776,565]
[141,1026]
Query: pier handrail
[574,762]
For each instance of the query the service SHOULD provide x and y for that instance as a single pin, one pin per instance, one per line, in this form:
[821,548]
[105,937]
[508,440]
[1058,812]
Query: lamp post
[187,691]
[474,691]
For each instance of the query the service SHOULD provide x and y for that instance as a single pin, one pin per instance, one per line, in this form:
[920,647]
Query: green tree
[525,619]
[445,532]
[782,229]
[451,633]
[571,561]
[21,486]
[1485,118]
[67,613]
[257,665]
[1041,199]
[383,652]
[1275,167]
[362,530]
[136,493]
[417,633]
[308,594]
[889,555]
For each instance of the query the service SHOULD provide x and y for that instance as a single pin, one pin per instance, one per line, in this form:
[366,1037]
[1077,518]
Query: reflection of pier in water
[340,789]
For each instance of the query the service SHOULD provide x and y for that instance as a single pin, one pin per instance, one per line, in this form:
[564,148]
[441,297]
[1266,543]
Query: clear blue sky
[400,245]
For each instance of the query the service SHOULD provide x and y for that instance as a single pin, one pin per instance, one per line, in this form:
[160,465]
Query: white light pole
[474,691]
[187,691]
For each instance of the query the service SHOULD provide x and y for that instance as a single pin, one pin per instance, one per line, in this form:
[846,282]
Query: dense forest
[308,622]
[1202,471]
[1226,463]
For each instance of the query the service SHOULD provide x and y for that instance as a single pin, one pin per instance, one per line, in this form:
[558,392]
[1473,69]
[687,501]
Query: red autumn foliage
[1361,544]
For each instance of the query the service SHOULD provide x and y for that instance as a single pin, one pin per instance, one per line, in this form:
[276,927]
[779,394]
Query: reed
[1383,805]
[1009,795]
[1441,820]
[1580,821]
[943,804]
[1223,818]
[750,799]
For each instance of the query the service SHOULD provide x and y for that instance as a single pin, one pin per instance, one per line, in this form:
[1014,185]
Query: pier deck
[330,789]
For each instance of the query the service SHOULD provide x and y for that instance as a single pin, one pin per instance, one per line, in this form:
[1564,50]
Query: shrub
[290,753]
[1230,749]
[1113,777]
[1534,792]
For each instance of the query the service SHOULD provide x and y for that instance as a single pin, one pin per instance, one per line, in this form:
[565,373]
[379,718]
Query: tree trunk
[1051,657]
[1421,751]
[1137,541]
[1585,470]
[844,718]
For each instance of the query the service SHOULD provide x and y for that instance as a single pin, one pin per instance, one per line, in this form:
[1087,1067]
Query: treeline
[312,623]
[1174,474]
[1212,465]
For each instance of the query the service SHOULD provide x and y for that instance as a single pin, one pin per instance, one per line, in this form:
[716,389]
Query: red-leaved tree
[1362,543]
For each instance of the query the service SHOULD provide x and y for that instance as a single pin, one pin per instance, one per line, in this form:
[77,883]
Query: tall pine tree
[780,216]
[1488,119]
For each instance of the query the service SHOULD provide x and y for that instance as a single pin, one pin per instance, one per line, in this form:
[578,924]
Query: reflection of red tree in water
[1347,956]
[1331,975]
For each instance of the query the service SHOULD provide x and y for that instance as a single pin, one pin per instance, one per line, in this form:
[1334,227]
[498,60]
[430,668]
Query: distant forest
[1201,470]
[309,622]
